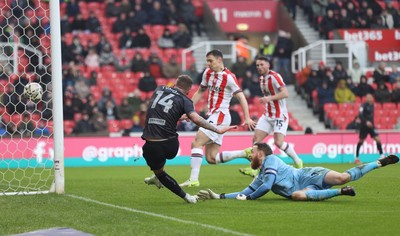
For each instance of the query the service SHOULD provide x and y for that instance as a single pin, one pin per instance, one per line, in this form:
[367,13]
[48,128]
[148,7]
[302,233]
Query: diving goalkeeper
[305,184]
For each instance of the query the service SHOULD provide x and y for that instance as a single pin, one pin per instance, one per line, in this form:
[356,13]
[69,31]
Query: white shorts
[277,125]
[218,119]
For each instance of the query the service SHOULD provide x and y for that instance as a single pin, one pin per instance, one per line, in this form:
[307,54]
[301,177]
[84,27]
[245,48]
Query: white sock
[195,163]
[289,150]
[229,155]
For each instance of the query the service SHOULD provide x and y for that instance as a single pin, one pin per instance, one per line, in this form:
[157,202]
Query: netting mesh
[26,163]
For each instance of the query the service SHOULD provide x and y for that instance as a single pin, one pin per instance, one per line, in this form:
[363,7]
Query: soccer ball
[33,91]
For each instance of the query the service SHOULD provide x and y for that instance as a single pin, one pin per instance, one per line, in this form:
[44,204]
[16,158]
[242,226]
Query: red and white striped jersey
[222,86]
[270,85]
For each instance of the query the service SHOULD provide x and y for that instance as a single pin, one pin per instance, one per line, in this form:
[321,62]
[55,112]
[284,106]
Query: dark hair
[264,147]
[263,58]
[215,53]
[184,82]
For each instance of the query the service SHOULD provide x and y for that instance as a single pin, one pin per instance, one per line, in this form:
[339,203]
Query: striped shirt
[270,85]
[222,86]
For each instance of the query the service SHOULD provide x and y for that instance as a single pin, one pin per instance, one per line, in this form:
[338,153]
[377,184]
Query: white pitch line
[159,216]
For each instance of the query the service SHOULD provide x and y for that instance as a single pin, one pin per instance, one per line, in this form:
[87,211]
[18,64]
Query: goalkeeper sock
[195,163]
[359,171]
[171,184]
[228,156]
[318,195]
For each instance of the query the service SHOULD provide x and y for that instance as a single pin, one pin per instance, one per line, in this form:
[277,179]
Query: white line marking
[159,215]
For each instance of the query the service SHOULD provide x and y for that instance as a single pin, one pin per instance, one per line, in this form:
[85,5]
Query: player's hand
[265,99]
[250,123]
[226,129]
[207,194]
[241,197]
[184,117]
[369,124]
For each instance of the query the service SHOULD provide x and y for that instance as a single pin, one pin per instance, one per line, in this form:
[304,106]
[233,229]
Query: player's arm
[283,93]
[198,94]
[245,107]
[200,121]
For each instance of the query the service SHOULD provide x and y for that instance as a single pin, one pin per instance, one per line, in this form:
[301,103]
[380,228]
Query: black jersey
[166,106]
[366,113]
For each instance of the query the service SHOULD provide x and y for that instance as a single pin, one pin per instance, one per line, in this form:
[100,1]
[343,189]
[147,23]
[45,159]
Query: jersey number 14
[165,101]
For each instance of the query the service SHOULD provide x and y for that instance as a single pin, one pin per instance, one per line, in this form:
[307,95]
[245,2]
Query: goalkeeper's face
[257,157]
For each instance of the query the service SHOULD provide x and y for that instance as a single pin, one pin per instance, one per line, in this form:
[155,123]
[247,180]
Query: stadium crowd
[116,52]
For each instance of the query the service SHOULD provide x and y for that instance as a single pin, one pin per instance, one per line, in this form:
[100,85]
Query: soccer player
[166,107]
[276,118]
[305,184]
[366,119]
[222,86]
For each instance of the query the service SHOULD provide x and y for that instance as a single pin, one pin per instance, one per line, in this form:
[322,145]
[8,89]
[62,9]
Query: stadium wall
[127,151]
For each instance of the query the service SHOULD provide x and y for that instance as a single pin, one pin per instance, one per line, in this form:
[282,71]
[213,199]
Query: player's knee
[343,178]
[210,159]
[278,143]
[299,196]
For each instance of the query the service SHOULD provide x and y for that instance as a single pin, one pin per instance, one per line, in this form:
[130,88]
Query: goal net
[27,150]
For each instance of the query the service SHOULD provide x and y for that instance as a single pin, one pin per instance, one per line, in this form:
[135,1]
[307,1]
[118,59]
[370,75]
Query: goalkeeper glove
[208,194]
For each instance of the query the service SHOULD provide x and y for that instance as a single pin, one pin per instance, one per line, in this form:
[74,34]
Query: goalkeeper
[305,184]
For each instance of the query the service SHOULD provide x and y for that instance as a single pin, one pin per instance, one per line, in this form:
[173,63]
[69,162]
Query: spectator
[235,117]
[172,14]
[192,72]
[112,10]
[102,43]
[135,100]
[165,40]
[65,25]
[291,7]
[382,93]
[328,24]
[68,109]
[313,82]
[155,66]
[120,24]
[141,113]
[394,74]
[84,125]
[363,88]
[282,54]
[92,60]
[352,14]
[380,74]
[319,10]
[125,109]
[345,21]
[334,7]
[93,78]
[387,19]
[106,56]
[172,69]
[73,8]
[26,127]
[266,48]
[126,39]
[141,15]
[302,80]
[111,111]
[356,72]
[141,39]
[105,97]
[41,129]
[251,85]
[239,67]
[125,7]
[98,120]
[136,127]
[157,15]
[133,22]
[182,38]
[122,63]
[76,50]
[82,89]
[78,24]
[93,24]
[339,73]
[396,92]
[138,63]
[325,95]
[189,18]
[343,94]
[147,83]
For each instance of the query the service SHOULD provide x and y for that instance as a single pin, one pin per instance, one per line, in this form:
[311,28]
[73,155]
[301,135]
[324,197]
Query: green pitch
[115,201]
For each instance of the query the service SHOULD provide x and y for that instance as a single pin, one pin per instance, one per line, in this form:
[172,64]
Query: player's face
[256,158]
[214,63]
[262,67]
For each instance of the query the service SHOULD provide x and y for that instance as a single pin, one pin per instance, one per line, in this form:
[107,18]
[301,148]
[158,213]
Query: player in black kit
[366,119]
[166,107]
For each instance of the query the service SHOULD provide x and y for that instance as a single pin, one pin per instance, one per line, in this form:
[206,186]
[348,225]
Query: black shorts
[157,153]
[365,130]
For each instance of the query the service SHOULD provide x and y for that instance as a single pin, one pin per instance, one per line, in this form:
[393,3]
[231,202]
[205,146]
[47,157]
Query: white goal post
[31,134]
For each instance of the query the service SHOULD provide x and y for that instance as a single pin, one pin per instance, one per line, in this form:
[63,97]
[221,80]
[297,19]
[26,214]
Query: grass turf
[115,201]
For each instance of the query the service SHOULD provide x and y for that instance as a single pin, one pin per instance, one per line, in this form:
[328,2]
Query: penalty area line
[158,215]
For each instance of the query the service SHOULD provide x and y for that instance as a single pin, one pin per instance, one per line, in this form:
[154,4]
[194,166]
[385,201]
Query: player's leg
[375,136]
[288,149]
[362,136]
[196,159]
[309,194]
